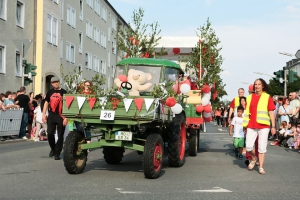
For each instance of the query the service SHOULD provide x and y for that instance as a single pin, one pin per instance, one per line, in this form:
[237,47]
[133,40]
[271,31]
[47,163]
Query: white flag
[102,100]
[148,103]
[127,103]
[80,101]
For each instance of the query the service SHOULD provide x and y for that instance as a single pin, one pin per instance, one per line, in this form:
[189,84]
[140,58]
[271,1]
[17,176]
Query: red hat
[251,88]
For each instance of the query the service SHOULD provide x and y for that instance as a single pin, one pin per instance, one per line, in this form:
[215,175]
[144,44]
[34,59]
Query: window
[114,47]
[109,14]
[2,59]
[3,9]
[104,15]
[89,29]
[97,7]
[51,30]
[96,35]
[88,60]
[71,16]
[96,64]
[103,39]
[70,52]
[61,48]
[81,11]
[20,14]
[89,3]
[18,64]
[114,23]
[108,33]
[103,67]
[79,68]
[80,42]
[108,58]
[62,10]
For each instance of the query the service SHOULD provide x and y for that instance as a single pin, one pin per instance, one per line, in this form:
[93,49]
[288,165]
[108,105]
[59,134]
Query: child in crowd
[282,129]
[38,121]
[238,135]
[289,135]
[297,135]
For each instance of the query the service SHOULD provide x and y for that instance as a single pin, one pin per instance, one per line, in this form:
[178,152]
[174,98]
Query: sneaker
[241,157]
[36,139]
[274,143]
[236,153]
[88,150]
[24,138]
[290,147]
[271,137]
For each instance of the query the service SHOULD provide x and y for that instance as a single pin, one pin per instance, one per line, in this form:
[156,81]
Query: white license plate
[123,135]
[107,115]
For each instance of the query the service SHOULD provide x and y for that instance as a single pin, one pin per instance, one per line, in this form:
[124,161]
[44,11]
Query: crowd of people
[258,118]
[31,106]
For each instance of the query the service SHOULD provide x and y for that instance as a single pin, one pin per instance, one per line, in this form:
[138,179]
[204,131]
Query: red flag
[114,102]
[139,103]
[215,94]
[92,102]
[69,100]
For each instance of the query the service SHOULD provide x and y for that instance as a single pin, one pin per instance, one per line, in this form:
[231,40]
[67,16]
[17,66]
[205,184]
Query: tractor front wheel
[74,158]
[193,142]
[153,156]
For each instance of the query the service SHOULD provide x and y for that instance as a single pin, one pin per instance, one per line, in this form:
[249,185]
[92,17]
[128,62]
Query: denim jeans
[87,130]
[24,123]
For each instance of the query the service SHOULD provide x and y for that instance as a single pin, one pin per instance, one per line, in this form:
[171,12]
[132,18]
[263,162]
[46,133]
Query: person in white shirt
[38,114]
[239,134]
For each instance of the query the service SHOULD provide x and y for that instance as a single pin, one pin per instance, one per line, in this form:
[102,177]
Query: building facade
[67,33]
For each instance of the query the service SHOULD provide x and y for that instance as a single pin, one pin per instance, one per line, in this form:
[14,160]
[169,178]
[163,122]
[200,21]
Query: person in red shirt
[258,126]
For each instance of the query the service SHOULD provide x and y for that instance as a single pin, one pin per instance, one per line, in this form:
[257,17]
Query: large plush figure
[138,80]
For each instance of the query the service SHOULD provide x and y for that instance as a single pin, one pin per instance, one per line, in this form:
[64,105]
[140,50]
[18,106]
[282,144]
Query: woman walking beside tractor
[257,117]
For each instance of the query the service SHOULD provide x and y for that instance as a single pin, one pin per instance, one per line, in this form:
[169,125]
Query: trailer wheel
[198,136]
[153,156]
[193,143]
[74,159]
[177,141]
[113,155]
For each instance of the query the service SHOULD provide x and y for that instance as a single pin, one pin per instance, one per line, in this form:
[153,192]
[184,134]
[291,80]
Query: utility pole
[285,80]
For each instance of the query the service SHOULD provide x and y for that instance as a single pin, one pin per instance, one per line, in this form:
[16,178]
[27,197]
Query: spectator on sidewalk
[53,103]
[23,101]
[218,116]
[8,101]
[285,110]
[38,121]
[295,104]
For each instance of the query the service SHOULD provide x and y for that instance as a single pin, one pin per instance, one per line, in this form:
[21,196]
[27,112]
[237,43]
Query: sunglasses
[55,81]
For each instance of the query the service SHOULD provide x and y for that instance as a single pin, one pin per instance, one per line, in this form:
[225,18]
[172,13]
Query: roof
[150,61]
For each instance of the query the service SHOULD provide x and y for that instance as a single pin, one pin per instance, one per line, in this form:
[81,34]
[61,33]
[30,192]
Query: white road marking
[122,191]
[216,189]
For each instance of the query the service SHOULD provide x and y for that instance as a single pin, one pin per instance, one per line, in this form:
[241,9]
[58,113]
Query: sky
[252,33]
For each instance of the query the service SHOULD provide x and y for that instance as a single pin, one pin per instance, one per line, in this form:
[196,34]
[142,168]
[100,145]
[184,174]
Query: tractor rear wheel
[113,155]
[177,141]
[153,156]
[74,160]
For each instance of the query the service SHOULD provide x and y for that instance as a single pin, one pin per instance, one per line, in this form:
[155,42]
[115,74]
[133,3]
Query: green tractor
[136,118]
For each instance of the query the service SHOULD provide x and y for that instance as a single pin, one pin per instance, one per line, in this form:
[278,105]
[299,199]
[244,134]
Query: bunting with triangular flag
[148,103]
[69,100]
[114,102]
[139,103]
[80,101]
[127,103]
[92,101]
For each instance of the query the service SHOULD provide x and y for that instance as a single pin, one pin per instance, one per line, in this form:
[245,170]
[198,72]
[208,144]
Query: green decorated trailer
[138,116]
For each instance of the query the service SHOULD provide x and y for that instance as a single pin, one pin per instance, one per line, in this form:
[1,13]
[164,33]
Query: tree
[211,60]
[274,88]
[136,40]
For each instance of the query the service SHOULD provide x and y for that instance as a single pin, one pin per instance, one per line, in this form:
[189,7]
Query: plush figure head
[138,80]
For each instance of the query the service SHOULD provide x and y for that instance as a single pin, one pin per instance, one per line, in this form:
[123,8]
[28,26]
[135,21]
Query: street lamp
[246,83]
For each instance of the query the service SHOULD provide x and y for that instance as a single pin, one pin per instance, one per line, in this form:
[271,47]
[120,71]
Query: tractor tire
[113,155]
[153,156]
[73,162]
[198,136]
[193,142]
[177,141]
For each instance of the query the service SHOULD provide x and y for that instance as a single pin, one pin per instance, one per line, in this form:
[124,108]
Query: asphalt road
[28,173]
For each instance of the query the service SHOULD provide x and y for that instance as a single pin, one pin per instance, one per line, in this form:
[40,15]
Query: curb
[13,141]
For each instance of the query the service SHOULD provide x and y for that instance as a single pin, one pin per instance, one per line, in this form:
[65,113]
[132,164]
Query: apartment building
[66,33]
[16,23]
